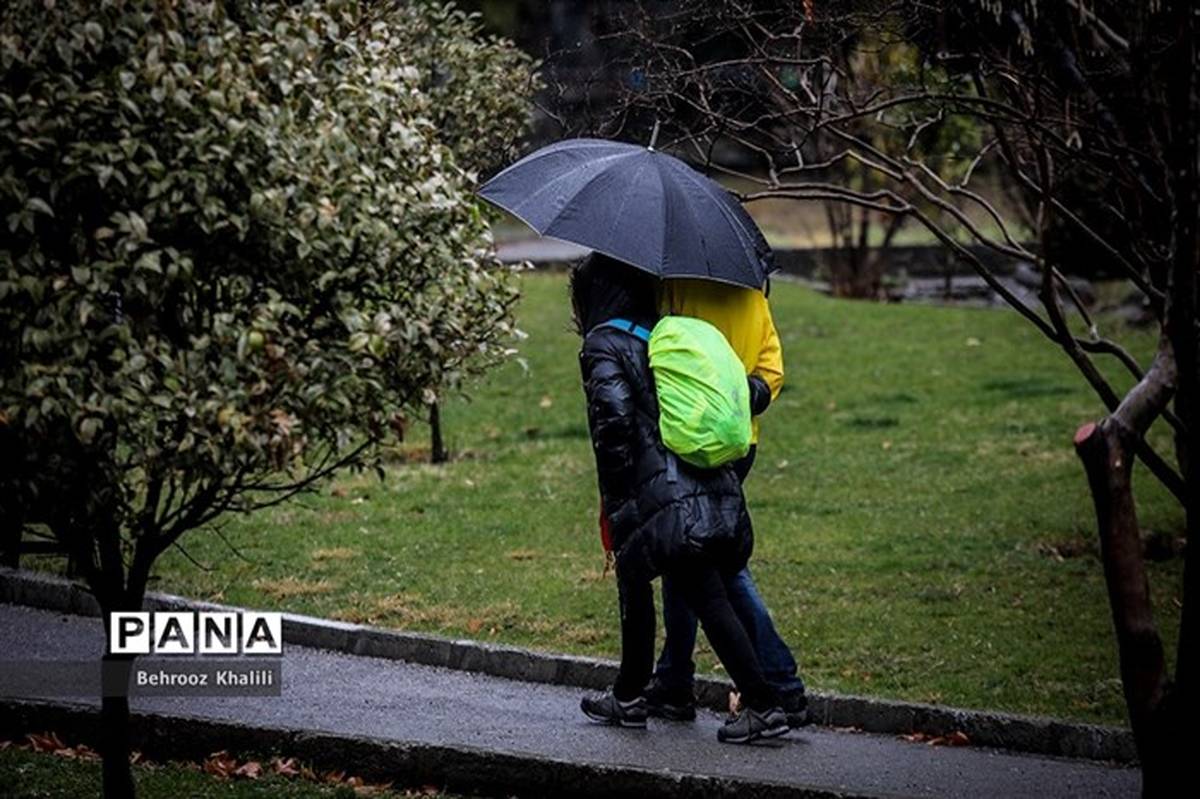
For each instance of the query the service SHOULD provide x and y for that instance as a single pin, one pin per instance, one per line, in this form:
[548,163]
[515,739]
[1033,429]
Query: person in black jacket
[665,516]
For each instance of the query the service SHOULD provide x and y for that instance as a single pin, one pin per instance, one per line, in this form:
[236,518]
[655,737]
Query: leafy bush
[236,245]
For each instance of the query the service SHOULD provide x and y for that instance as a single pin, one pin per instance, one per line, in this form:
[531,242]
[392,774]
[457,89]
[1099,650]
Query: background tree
[479,88]
[1087,110]
[236,247]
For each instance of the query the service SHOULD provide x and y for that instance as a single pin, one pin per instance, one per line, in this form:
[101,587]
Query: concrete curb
[456,768]
[1034,734]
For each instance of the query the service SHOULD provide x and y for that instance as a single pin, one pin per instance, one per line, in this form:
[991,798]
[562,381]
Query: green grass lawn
[36,775]
[914,495]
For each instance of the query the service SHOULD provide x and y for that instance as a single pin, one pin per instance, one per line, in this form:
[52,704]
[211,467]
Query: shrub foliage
[237,240]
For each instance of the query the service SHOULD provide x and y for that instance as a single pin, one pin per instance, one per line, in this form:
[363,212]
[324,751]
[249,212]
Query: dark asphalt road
[352,695]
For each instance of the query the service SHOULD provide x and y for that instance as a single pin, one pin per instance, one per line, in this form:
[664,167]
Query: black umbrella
[637,205]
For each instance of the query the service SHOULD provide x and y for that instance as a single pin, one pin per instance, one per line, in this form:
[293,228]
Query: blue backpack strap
[629,327]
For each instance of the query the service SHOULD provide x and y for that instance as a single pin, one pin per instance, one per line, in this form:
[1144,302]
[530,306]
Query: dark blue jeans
[676,669]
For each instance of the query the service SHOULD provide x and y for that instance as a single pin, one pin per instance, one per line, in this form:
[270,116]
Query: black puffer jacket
[662,511]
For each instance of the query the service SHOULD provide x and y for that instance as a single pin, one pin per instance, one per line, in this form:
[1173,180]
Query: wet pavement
[397,701]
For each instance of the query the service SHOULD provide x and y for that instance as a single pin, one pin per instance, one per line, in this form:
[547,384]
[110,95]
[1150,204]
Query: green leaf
[39,205]
[88,429]
[150,261]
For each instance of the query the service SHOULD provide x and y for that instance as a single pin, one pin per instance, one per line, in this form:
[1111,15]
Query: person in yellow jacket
[744,316]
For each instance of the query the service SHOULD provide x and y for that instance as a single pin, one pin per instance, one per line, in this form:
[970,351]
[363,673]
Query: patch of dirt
[1156,546]
[1067,549]
[287,587]
[337,517]
[333,553]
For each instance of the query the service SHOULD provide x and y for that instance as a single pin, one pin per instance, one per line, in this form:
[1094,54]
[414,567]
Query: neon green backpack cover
[703,398]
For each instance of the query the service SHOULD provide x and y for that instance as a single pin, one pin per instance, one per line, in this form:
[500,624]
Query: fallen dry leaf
[220,765]
[546,402]
[474,625]
[285,767]
[45,742]
[250,770]
[81,752]
[956,738]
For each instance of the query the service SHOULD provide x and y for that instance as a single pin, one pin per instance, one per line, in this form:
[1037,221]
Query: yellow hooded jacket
[744,317]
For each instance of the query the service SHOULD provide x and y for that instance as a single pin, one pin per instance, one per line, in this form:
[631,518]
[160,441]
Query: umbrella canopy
[639,206]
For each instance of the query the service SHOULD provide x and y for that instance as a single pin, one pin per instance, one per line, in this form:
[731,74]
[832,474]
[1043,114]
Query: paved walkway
[540,250]
[382,699]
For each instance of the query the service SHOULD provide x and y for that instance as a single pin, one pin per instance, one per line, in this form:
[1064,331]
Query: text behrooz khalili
[251,678]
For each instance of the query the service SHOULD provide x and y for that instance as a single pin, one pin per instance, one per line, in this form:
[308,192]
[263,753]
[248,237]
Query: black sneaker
[672,705]
[607,709]
[750,725]
[795,707]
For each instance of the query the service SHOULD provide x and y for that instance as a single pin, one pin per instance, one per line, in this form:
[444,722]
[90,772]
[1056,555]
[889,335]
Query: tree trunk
[1107,449]
[10,544]
[1183,158]
[438,447]
[116,592]
[115,748]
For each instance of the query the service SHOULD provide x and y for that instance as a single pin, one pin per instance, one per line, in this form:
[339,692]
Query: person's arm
[611,422]
[760,394]
[766,378]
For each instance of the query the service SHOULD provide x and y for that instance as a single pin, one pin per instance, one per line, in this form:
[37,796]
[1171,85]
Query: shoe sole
[608,720]
[767,734]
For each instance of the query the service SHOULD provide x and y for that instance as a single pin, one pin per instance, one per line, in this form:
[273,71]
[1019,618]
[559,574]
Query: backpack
[703,397]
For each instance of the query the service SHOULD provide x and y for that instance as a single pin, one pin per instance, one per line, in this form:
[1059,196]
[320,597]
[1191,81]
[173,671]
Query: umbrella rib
[708,267]
[666,226]
[624,199]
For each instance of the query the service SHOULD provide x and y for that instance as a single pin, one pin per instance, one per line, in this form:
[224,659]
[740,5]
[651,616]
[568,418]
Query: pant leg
[703,589]
[637,637]
[676,669]
[778,664]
